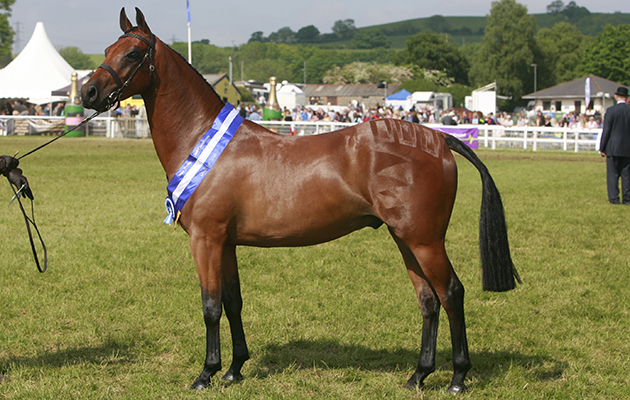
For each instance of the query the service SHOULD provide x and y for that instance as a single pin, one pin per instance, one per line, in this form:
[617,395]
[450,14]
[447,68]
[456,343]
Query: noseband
[114,98]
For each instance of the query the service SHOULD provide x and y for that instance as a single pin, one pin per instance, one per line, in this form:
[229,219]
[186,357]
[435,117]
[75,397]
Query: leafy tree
[308,34]
[76,58]
[508,50]
[555,7]
[562,48]
[370,39]
[6,33]
[284,35]
[609,56]
[574,12]
[344,29]
[257,36]
[431,51]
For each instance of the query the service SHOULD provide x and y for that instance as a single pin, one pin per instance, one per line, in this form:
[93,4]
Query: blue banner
[201,160]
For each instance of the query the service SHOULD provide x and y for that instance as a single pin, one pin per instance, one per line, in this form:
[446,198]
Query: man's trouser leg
[612,179]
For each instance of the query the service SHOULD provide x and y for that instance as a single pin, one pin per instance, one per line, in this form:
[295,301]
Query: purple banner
[470,136]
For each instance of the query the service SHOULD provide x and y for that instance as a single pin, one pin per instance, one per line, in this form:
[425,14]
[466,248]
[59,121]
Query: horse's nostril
[92,93]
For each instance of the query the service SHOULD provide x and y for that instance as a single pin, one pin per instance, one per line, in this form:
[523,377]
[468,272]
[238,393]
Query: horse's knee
[455,293]
[211,309]
[429,304]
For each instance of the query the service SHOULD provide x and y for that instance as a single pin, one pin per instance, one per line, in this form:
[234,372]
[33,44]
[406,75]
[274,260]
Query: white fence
[490,136]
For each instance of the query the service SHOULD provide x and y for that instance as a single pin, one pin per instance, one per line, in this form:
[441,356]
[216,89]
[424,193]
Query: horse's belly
[305,228]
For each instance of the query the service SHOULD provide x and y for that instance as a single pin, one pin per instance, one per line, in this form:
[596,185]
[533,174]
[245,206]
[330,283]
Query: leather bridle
[114,98]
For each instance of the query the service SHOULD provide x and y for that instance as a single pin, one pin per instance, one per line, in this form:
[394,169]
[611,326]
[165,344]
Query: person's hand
[603,154]
[19,180]
[8,164]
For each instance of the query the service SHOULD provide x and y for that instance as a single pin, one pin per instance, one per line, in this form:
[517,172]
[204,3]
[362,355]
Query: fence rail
[490,136]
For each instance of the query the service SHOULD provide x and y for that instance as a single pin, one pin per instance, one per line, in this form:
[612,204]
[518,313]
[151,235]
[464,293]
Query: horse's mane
[194,69]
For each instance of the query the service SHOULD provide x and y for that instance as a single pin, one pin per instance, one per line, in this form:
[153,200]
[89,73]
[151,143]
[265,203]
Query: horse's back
[291,191]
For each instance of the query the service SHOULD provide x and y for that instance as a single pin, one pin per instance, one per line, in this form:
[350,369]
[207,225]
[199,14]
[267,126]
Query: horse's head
[127,69]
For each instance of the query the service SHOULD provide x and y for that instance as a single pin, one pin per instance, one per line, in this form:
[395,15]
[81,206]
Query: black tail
[498,271]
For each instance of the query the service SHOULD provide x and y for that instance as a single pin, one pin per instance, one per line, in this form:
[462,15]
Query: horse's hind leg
[430,306]
[434,266]
[233,305]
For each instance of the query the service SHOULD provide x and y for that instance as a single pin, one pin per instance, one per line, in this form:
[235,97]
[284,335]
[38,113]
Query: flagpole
[189,35]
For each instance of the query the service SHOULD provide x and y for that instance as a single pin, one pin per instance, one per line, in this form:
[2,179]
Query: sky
[93,25]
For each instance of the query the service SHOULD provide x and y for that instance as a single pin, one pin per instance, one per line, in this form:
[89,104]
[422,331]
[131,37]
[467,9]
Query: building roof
[348,90]
[575,89]
[214,79]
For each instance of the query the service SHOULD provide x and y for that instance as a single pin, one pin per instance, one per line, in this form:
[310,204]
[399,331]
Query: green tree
[507,51]
[370,39]
[430,51]
[344,29]
[609,56]
[6,33]
[284,35]
[307,34]
[555,7]
[76,58]
[562,48]
[574,12]
[257,36]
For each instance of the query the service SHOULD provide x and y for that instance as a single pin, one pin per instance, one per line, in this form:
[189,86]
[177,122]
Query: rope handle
[29,222]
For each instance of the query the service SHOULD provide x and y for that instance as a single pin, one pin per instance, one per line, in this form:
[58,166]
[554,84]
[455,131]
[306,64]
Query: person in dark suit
[615,146]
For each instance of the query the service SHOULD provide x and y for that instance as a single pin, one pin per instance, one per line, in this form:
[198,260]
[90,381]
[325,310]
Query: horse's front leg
[233,305]
[208,255]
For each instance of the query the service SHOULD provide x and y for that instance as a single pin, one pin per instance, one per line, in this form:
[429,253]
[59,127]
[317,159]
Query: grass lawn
[118,314]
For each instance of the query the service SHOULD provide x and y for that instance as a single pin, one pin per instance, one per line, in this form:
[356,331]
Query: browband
[151,43]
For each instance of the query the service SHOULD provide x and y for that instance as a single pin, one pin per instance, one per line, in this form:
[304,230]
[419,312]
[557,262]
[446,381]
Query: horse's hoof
[232,377]
[457,388]
[198,385]
[413,384]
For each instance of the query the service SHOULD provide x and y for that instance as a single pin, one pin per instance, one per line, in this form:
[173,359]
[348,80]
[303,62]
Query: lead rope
[31,221]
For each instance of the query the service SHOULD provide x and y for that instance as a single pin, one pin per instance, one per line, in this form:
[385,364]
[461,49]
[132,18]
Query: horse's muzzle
[90,96]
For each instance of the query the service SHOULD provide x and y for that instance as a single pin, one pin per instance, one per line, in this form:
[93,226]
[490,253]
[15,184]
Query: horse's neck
[180,108]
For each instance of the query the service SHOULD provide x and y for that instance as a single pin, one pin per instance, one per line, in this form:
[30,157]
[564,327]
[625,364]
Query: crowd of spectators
[356,113]
[17,107]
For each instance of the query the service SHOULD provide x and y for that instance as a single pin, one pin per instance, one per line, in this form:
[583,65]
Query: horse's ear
[142,24]
[125,24]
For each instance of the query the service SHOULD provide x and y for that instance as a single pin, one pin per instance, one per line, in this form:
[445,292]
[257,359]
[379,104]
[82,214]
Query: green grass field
[118,314]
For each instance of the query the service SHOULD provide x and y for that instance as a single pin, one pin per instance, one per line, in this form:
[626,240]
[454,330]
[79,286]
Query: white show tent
[36,71]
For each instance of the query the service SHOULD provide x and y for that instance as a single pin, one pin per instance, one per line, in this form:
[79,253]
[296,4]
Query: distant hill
[465,30]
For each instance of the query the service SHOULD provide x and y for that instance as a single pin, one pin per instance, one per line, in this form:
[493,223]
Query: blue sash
[201,160]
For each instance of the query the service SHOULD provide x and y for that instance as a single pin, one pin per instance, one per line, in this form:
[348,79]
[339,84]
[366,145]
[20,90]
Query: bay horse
[271,190]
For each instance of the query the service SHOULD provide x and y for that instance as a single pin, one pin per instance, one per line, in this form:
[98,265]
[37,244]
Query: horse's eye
[133,56]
